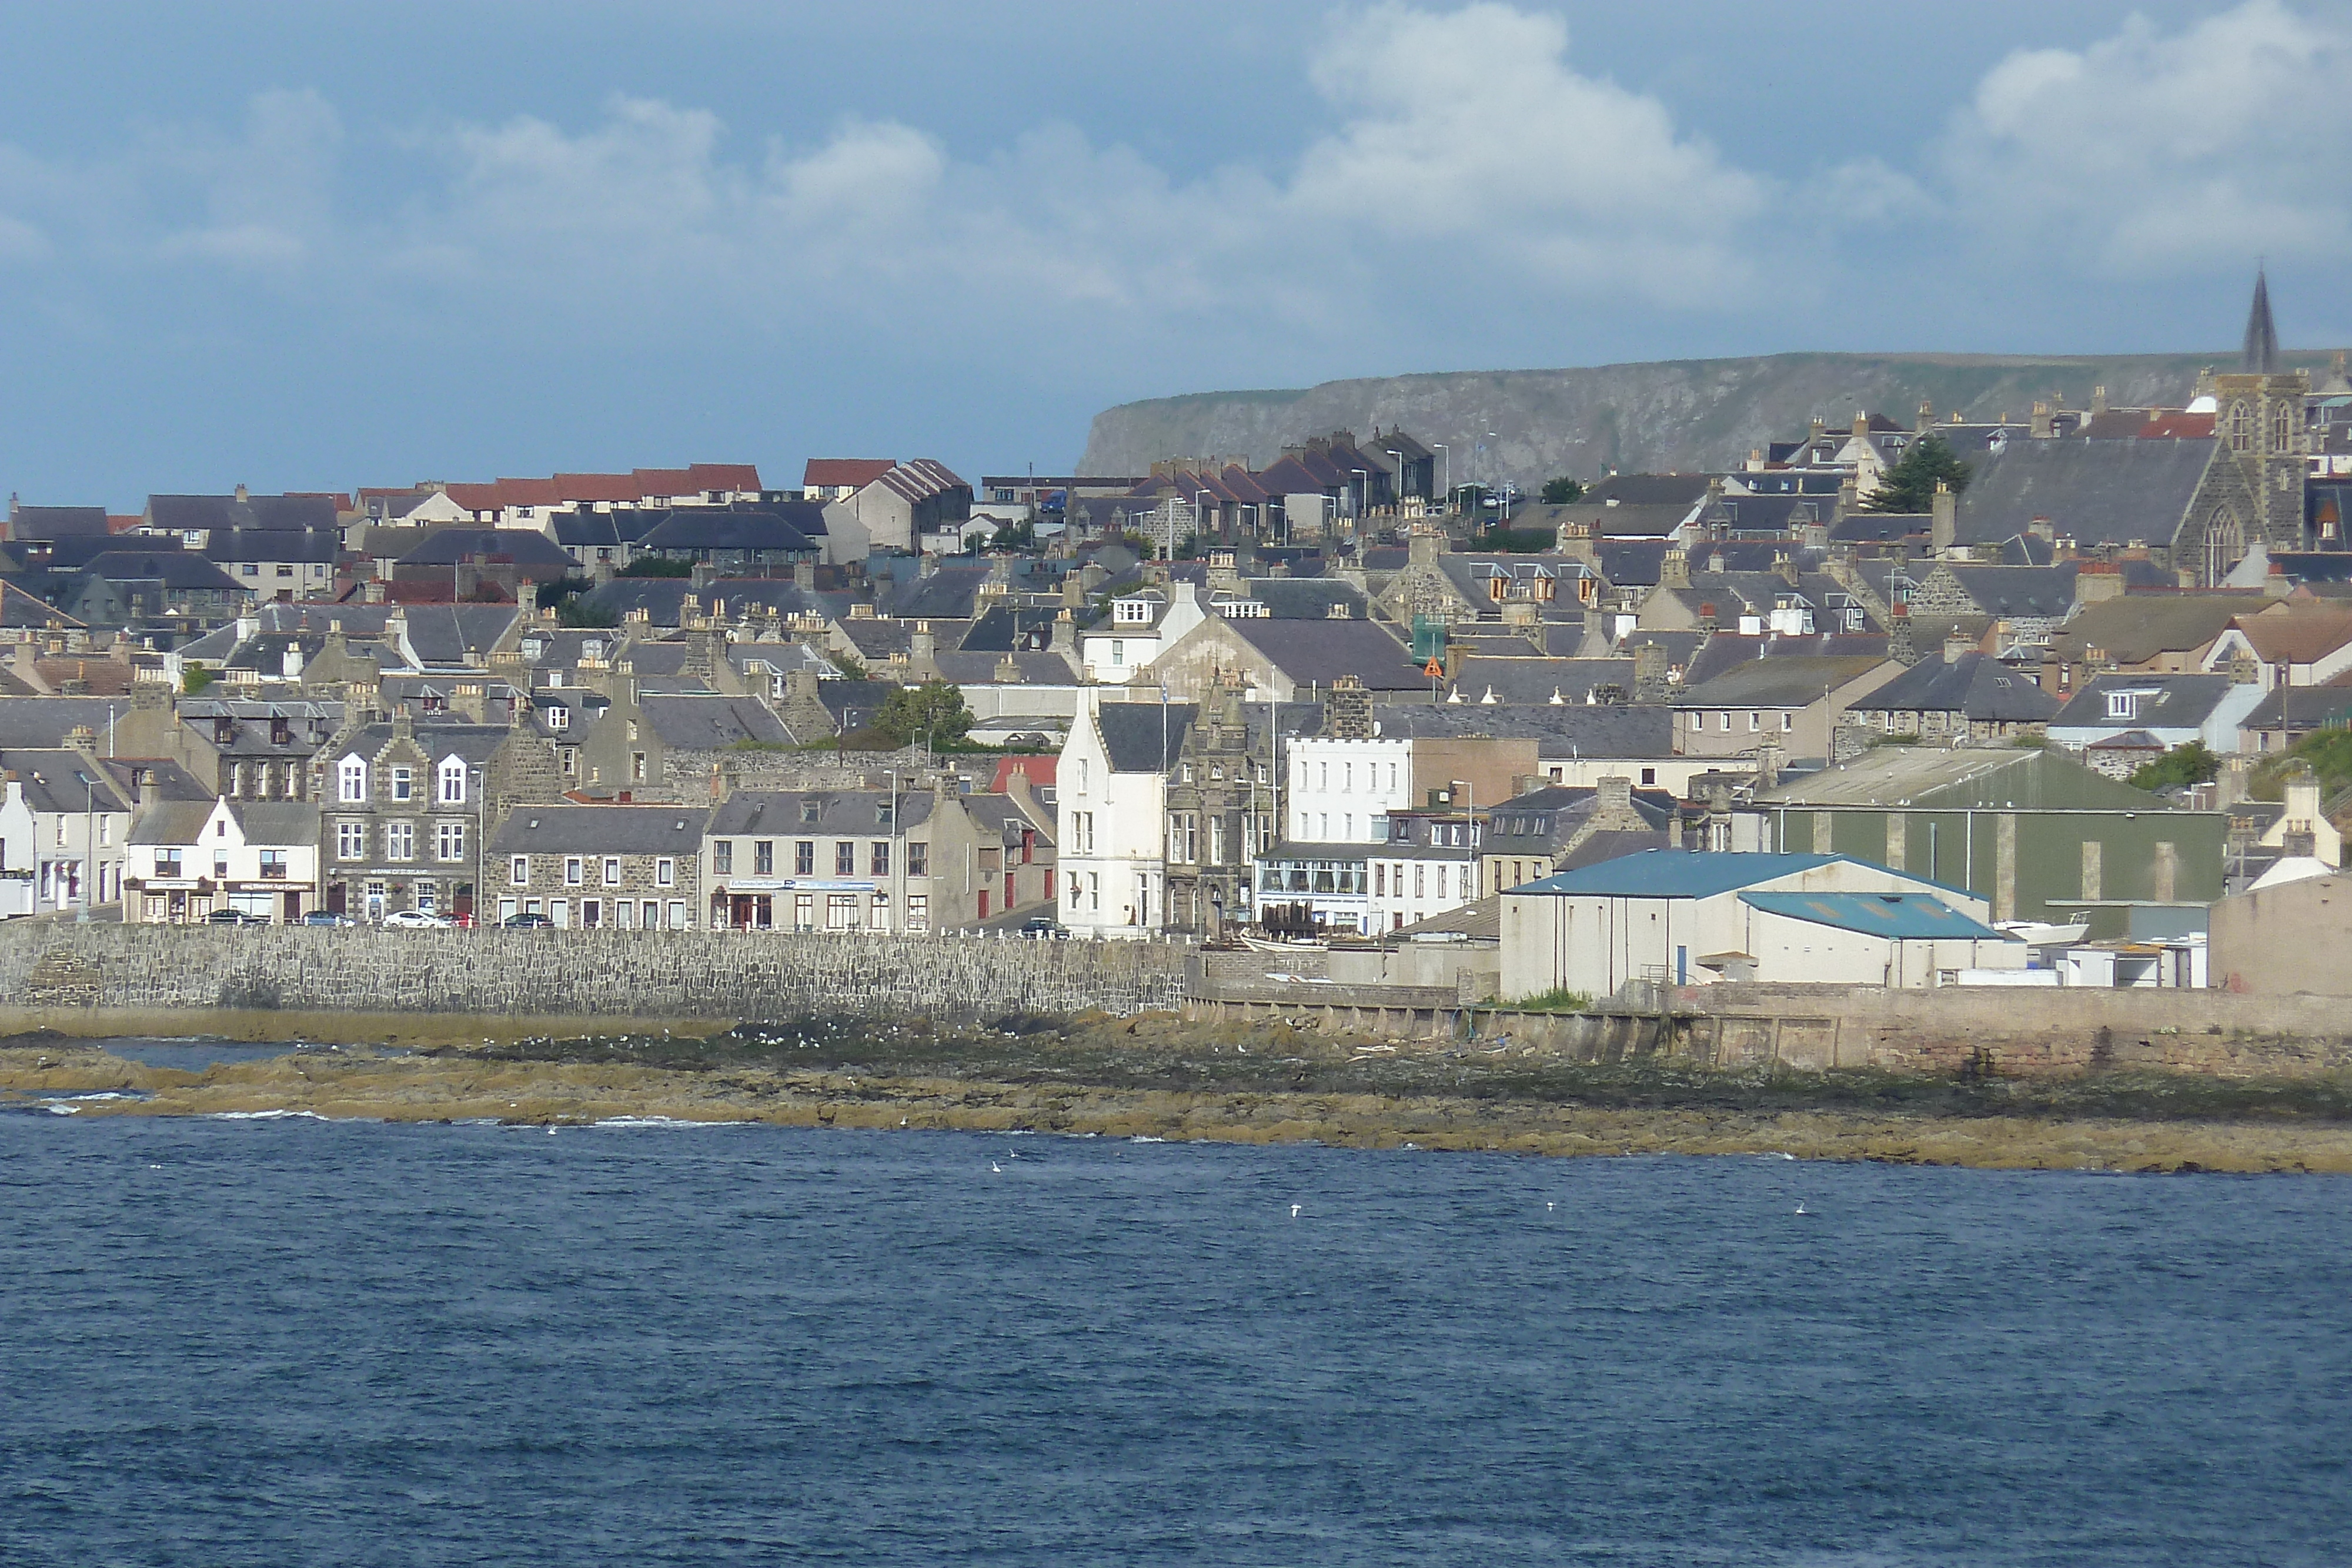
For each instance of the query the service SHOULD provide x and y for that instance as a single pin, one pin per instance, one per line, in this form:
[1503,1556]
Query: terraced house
[403,810]
[626,868]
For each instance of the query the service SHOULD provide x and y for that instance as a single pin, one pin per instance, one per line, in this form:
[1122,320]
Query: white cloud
[2154,152]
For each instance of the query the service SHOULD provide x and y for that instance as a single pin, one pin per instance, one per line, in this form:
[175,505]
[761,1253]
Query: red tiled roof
[597,487]
[665,482]
[475,497]
[724,475]
[860,472]
[530,492]
[2178,427]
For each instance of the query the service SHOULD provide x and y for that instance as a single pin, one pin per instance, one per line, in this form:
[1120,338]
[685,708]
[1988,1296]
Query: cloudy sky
[310,246]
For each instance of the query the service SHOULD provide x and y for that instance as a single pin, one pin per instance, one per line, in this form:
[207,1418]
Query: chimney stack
[1898,636]
[1944,526]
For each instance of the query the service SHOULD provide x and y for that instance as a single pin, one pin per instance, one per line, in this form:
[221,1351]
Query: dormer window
[453,782]
[2123,705]
[351,780]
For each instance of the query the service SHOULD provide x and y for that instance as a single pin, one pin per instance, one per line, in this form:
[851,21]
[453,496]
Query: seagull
[902,1120]
[1548,1208]
[1295,1208]
[1800,1209]
[997,1168]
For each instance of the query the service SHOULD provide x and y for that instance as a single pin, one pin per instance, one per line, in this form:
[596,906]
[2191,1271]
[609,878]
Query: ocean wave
[279,1115]
[667,1121]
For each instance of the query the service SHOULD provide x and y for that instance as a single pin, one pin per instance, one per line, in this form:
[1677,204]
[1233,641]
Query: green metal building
[2041,836]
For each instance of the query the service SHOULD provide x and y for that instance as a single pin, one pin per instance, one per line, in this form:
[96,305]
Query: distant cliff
[1664,416]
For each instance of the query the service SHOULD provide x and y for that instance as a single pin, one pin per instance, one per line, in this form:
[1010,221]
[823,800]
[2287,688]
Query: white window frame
[453,782]
[575,872]
[665,873]
[350,781]
[519,871]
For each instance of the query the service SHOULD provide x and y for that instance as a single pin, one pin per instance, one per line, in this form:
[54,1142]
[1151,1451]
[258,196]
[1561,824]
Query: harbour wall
[751,975]
[1951,1028]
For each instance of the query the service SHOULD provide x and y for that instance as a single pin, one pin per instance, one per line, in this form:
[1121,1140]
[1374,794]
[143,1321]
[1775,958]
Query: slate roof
[1727,651]
[781,526]
[1316,652]
[1572,729]
[602,830]
[1303,597]
[56,522]
[1684,490]
[1786,682]
[49,776]
[524,546]
[1144,737]
[311,546]
[176,570]
[1630,563]
[476,743]
[2009,591]
[841,813]
[1619,522]
[1533,679]
[950,594]
[2180,702]
[697,723]
[189,513]
[2092,491]
[1980,687]
[172,823]
[290,823]
[1675,873]
[663,599]
[2136,628]
[1614,843]
[40,722]
[452,635]
[1900,916]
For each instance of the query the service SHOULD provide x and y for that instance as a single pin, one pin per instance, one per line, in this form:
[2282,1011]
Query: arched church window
[2241,428]
[2225,545]
[2282,429]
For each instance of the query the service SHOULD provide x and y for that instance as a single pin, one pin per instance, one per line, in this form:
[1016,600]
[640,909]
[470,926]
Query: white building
[1112,783]
[1341,791]
[68,825]
[1680,918]
[1141,623]
[190,859]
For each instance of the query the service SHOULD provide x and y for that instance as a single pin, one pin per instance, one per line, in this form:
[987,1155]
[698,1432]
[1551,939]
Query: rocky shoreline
[1158,1077]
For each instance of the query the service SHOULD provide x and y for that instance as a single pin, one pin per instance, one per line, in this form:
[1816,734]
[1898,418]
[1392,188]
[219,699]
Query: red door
[984,903]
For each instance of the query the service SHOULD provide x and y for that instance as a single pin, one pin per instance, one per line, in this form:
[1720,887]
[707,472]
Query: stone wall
[1996,1030]
[755,975]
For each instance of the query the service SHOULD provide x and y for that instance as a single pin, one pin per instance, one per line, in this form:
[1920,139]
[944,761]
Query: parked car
[525,922]
[322,918]
[417,920]
[235,917]
[1043,926]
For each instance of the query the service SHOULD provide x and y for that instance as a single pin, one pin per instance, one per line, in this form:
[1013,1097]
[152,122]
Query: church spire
[2262,350]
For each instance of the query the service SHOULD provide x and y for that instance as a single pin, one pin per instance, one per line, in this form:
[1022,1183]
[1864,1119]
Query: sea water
[301,1342]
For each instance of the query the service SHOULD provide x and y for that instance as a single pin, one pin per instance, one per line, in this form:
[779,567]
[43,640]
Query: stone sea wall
[753,975]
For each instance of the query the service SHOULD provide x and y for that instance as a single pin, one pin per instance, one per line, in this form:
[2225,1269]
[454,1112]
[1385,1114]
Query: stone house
[1961,697]
[1794,703]
[665,746]
[633,867]
[1223,808]
[404,809]
[915,859]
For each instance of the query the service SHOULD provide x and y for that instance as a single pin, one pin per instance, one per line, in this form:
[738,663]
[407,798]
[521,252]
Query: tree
[2190,764]
[1562,491]
[195,678]
[933,713]
[1021,535]
[1910,484]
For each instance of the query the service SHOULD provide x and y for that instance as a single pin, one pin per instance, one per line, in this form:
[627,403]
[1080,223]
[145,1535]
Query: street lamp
[1449,474]
[88,841]
[1363,489]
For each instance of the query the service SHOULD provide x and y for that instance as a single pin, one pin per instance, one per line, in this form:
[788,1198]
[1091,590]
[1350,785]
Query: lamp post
[1492,437]
[1449,474]
[1399,497]
[88,841]
[1363,489]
